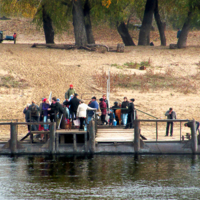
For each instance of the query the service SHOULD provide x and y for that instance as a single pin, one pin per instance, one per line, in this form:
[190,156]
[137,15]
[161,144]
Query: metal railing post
[180,131]
[156,131]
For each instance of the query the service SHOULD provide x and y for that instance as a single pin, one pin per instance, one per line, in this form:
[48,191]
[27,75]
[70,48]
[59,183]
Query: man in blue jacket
[93,104]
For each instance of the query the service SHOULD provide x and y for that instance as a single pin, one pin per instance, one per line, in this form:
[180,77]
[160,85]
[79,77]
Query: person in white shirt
[82,112]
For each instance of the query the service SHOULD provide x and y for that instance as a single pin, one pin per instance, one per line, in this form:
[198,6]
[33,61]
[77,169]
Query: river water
[100,177]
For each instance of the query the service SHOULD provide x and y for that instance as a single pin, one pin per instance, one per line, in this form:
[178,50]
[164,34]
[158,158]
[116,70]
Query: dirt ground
[54,70]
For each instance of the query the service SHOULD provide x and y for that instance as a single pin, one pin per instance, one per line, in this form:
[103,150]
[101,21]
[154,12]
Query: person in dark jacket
[55,109]
[124,111]
[103,108]
[34,113]
[27,115]
[130,114]
[170,115]
[114,108]
[92,104]
[74,103]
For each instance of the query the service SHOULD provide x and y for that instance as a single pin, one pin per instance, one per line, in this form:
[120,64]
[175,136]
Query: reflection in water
[100,176]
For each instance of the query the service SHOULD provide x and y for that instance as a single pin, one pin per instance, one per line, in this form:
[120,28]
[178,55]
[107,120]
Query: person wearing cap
[124,111]
[82,112]
[103,108]
[170,115]
[130,114]
[94,105]
[70,91]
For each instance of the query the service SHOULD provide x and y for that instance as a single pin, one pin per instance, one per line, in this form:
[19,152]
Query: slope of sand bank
[46,70]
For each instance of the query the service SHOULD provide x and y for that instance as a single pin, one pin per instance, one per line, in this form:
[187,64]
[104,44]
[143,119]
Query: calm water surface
[100,177]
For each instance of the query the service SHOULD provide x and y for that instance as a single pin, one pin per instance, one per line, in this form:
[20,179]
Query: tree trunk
[88,25]
[123,31]
[47,26]
[160,24]
[79,24]
[185,30]
[146,22]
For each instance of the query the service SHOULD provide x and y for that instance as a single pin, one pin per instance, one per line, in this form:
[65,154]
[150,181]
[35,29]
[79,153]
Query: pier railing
[13,142]
[137,131]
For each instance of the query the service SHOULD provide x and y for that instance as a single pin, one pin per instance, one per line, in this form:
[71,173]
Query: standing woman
[82,112]
[45,107]
[103,107]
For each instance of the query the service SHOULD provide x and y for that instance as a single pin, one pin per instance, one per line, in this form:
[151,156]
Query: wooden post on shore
[194,137]
[52,146]
[92,136]
[137,136]
[13,138]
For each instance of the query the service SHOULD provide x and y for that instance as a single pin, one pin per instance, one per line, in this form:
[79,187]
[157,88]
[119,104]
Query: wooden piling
[92,136]
[194,137]
[74,142]
[137,136]
[52,146]
[13,137]
[85,136]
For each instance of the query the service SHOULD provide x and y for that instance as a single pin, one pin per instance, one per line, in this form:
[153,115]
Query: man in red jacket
[103,107]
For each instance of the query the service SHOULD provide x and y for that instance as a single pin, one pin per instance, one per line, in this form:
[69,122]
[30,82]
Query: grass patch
[150,81]
[10,82]
[117,66]
[133,65]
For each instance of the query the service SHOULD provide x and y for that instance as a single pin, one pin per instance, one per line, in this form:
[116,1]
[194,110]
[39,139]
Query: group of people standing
[74,108]
[123,113]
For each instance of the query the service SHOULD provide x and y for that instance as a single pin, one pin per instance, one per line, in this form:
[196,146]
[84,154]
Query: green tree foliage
[22,8]
[59,13]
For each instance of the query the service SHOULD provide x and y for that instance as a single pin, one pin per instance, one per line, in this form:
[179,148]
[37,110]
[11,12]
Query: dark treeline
[56,15]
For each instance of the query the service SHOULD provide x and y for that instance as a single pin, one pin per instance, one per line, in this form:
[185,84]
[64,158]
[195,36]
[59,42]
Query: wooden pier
[99,140]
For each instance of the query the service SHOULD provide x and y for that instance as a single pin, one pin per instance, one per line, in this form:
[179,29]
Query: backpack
[34,110]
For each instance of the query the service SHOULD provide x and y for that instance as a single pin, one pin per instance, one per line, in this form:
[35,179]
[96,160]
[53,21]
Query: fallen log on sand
[89,47]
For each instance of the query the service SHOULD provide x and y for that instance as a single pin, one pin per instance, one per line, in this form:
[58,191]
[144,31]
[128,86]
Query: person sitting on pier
[189,125]
[170,115]
[82,112]
[130,114]
[103,108]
